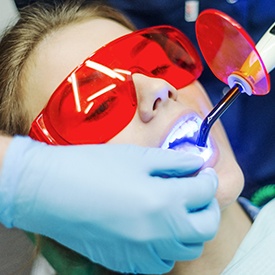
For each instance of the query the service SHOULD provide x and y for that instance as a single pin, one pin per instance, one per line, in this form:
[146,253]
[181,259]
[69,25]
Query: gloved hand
[114,204]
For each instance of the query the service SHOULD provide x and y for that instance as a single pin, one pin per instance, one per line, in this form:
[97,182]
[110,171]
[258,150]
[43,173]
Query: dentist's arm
[90,198]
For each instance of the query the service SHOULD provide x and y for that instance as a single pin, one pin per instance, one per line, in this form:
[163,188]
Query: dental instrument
[233,58]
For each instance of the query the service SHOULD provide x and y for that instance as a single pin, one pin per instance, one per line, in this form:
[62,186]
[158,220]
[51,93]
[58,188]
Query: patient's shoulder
[256,252]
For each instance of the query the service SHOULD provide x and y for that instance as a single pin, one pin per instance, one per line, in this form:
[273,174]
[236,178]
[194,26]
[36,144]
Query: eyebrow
[140,46]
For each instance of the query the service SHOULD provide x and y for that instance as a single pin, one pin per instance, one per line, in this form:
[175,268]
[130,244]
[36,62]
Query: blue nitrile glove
[108,202]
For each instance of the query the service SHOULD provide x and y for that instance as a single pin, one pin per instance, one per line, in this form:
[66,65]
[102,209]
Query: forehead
[60,52]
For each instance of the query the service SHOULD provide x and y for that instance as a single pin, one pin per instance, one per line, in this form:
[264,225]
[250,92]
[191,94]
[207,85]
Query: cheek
[133,133]
[231,182]
[231,179]
[195,97]
[139,133]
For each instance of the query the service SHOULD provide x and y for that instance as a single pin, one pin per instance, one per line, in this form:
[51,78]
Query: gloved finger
[177,251]
[203,224]
[170,163]
[158,266]
[201,189]
[149,260]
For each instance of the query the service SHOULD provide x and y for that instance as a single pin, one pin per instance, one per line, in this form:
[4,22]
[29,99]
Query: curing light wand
[246,73]
[216,112]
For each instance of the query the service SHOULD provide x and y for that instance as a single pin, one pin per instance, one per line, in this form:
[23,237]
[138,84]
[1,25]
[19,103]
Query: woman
[160,109]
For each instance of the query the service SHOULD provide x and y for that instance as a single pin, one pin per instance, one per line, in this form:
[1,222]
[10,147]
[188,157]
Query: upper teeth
[184,130]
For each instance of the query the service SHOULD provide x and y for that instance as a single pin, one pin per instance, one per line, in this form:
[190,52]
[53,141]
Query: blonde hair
[35,23]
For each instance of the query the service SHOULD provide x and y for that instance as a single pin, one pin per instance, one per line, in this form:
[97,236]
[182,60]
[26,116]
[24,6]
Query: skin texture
[160,105]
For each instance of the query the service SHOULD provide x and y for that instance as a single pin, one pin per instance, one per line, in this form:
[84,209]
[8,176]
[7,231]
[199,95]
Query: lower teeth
[187,147]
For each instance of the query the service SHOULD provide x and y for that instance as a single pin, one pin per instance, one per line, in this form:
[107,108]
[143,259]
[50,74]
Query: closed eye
[160,70]
[101,110]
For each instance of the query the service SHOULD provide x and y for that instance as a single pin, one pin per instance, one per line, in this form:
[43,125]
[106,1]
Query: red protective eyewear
[98,99]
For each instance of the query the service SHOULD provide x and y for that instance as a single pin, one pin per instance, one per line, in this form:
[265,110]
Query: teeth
[183,132]
[205,153]
[186,130]
[183,137]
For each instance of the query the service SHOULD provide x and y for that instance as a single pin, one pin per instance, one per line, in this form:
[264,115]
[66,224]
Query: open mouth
[183,137]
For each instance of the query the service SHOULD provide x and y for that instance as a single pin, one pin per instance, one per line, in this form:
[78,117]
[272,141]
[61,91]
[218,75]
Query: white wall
[8,13]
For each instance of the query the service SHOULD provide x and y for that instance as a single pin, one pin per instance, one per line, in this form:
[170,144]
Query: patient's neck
[218,253]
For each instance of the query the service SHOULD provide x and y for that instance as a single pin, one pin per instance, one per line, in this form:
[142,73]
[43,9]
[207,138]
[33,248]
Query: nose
[152,94]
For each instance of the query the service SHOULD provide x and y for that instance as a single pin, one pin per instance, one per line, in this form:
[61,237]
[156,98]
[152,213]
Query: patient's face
[160,106]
